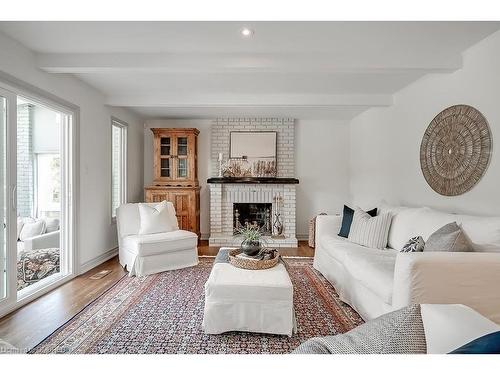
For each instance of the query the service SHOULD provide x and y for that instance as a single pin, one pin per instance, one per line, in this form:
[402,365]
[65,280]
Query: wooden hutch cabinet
[176,174]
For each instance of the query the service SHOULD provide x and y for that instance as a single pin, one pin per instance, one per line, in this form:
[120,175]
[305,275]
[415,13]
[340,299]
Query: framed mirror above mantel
[260,145]
[252,154]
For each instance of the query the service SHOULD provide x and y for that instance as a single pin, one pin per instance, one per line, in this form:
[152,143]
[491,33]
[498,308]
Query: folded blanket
[398,332]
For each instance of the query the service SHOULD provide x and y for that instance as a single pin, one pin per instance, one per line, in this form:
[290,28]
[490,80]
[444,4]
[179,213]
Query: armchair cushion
[129,219]
[156,219]
[160,243]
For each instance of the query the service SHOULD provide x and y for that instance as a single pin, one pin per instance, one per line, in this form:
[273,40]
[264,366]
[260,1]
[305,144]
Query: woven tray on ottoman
[252,264]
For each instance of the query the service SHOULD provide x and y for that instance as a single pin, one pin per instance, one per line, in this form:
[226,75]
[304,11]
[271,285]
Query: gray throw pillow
[449,238]
[414,244]
[398,332]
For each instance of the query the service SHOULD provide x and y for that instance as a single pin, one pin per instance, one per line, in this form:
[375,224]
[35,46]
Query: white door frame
[10,176]
[69,189]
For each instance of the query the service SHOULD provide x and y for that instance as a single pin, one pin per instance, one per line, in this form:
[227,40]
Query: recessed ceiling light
[246,32]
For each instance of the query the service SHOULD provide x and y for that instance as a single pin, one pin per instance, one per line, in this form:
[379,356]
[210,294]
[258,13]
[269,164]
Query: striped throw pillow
[370,231]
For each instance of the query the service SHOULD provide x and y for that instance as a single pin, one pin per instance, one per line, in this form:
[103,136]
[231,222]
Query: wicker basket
[312,231]
[252,264]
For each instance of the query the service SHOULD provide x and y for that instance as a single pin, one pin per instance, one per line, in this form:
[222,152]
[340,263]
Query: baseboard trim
[87,266]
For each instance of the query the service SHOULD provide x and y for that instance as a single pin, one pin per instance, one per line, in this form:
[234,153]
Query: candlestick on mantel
[219,159]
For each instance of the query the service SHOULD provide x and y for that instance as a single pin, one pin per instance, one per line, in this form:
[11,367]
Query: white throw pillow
[370,231]
[32,230]
[448,327]
[405,224]
[156,219]
[51,224]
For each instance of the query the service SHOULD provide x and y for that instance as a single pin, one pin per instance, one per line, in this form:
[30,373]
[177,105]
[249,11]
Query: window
[118,165]
[48,186]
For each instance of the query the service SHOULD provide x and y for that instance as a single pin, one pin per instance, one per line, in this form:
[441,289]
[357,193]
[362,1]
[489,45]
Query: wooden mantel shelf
[253,180]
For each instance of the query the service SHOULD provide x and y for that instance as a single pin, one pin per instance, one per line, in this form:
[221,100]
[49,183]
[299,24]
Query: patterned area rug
[163,313]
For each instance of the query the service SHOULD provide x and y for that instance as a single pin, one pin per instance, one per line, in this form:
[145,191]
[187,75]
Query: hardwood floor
[27,326]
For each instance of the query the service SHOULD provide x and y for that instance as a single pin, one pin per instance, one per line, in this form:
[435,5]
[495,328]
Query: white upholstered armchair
[145,254]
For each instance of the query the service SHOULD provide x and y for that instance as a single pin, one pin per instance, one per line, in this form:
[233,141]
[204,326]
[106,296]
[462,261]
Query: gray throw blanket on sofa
[398,332]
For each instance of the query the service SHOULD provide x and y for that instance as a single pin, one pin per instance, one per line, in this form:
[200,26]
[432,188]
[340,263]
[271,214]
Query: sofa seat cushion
[374,269]
[159,243]
[339,248]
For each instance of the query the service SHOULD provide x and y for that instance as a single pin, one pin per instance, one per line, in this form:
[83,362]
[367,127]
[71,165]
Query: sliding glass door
[36,197]
[7,204]
[3,198]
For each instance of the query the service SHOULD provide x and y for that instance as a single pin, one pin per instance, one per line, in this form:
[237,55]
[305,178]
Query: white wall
[385,142]
[97,235]
[321,163]
[322,166]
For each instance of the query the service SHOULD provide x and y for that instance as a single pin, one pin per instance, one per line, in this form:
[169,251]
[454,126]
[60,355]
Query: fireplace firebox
[252,214]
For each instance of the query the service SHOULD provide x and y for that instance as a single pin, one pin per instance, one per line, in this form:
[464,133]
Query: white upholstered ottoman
[247,300]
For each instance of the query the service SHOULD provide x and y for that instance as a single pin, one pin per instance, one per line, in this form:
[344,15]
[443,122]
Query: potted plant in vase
[252,239]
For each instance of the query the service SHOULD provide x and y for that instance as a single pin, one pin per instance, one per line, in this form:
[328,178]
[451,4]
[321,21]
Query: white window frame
[123,126]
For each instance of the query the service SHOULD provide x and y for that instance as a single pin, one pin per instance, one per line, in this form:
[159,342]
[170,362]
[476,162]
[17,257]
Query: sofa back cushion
[405,225]
[51,224]
[129,220]
[483,232]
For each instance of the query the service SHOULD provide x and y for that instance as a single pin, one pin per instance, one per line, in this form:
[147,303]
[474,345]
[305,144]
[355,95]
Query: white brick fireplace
[224,195]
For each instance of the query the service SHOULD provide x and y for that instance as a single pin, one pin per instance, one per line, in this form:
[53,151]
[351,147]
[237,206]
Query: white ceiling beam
[159,99]
[352,62]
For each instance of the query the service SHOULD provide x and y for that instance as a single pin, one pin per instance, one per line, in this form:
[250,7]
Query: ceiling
[205,69]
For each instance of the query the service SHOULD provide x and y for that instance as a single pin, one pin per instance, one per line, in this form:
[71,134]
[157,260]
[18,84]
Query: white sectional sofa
[375,282]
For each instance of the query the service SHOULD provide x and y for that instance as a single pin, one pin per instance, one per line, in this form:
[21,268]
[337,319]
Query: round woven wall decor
[455,150]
